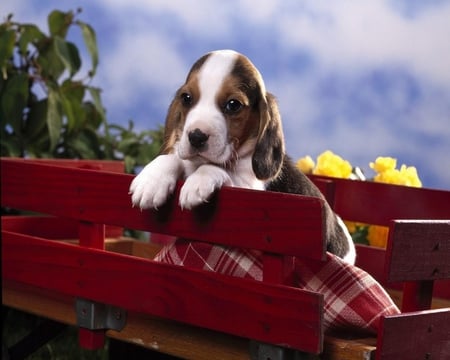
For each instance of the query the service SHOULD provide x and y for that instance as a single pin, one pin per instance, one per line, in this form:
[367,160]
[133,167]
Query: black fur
[293,181]
[269,150]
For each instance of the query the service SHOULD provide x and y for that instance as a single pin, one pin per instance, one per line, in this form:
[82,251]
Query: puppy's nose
[198,138]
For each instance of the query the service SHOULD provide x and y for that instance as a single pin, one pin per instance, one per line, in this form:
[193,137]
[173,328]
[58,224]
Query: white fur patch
[206,115]
[350,257]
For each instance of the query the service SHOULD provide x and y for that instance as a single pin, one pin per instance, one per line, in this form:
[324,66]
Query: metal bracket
[95,316]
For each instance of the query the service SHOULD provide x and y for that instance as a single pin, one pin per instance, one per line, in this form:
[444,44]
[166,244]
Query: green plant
[49,109]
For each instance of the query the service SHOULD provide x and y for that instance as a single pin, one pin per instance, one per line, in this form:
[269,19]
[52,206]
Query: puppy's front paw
[200,185]
[155,183]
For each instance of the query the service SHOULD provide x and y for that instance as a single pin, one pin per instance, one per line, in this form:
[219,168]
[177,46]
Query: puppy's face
[221,112]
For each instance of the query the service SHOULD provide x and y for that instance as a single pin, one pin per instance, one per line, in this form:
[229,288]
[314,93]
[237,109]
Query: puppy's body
[223,128]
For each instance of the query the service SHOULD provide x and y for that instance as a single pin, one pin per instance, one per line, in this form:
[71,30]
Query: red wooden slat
[101,165]
[50,227]
[264,312]
[376,203]
[417,295]
[283,223]
[419,335]
[418,250]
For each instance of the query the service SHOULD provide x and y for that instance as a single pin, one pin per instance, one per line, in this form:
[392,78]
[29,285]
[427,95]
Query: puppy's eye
[233,106]
[186,99]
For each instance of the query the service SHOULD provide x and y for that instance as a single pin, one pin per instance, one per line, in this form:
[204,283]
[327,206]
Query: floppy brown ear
[172,124]
[269,150]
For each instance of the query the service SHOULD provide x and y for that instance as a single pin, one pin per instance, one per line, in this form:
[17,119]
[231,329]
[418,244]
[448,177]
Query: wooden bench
[419,245]
[418,254]
[46,277]
[55,274]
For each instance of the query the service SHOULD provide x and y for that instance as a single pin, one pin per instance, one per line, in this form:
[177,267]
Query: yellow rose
[383,164]
[378,235]
[407,176]
[306,164]
[330,164]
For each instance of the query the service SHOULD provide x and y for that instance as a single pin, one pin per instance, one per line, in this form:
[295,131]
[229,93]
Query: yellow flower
[306,164]
[383,164]
[407,176]
[377,235]
[330,164]
[351,226]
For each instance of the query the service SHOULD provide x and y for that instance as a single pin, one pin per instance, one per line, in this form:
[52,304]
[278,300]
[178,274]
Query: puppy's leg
[201,184]
[153,185]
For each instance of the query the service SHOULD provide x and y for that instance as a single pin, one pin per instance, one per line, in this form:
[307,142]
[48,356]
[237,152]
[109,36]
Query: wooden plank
[341,347]
[115,166]
[269,313]
[166,336]
[50,227]
[283,223]
[418,250]
[417,335]
[372,260]
[377,203]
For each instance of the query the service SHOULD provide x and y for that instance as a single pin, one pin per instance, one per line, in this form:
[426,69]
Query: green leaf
[14,101]
[7,39]
[90,41]
[36,120]
[95,94]
[54,118]
[49,61]
[10,146]
[59,22]
[91,118]
[68,54]
[29,34]
[85,144]
[360,235]
[72,93]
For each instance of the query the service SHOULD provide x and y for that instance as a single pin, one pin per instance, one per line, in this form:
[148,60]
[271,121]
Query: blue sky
[362,78]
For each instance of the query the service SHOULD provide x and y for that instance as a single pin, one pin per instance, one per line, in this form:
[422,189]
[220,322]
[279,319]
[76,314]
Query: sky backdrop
[362,78]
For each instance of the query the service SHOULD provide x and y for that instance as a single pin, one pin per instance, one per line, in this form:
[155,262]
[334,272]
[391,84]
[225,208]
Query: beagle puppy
[223,128]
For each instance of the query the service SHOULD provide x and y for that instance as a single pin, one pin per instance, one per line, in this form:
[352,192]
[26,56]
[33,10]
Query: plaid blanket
[354,300]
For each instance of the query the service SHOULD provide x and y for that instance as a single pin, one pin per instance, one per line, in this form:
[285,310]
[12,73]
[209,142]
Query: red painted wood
[376,203]
[328,188]
[371,259]
[422,335]
[278,269]
[418,253]
[92,235]
[50,227]
[418,250]
[99,165]
[417,295]
[283,223]
[264,312]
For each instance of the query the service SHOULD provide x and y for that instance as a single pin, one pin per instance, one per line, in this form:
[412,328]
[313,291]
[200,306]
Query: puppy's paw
[155,183]
[200,185]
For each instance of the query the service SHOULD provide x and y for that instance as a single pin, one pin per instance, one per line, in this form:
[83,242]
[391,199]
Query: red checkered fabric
[354,300]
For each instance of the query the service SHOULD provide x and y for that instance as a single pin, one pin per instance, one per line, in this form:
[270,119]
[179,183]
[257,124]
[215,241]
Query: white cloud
[140,62]
[355,34]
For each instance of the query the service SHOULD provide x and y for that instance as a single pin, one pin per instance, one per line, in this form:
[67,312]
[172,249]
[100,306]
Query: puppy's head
[223,112]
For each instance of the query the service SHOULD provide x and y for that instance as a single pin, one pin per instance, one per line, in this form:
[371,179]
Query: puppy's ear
[172,125]
[269,150]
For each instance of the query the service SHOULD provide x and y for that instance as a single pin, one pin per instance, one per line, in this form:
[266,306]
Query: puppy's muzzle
[197,139]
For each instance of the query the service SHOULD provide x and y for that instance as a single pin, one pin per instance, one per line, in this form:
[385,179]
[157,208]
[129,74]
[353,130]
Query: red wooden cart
[74,266]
